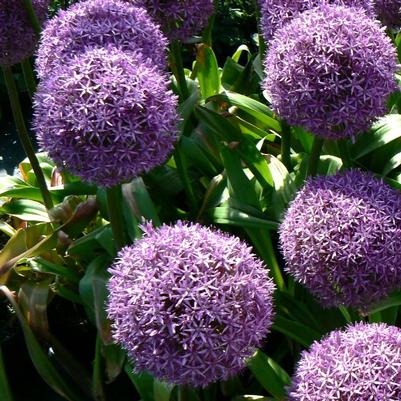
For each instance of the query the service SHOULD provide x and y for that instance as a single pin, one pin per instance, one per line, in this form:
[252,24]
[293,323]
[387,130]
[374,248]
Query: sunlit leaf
[269,374]
[384,131]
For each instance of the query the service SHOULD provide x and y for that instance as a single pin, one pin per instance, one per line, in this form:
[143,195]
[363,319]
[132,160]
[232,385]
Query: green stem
[97,379]
[177,68]
[5,391]
[114,203]
[182,393]
[286,145]
[344,153]
[262,43]
[32,16]
[314,156]
[182,170]
[24,136]
[29,78]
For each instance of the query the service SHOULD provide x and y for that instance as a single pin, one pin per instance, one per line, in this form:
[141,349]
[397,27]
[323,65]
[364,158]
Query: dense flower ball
[179,19]
[17,37]
[389,12]
[274,14]
[341,238]
[99,23]
[189,303]
[106,116]
[360,363]
[330,70]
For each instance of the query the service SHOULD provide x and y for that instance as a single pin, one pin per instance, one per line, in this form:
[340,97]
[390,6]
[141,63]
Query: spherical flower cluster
[330,70]
[106,117]
[274,14]
[341,238]
[179,19]
[189,303]
[99,23]
[17,37]
[389,12]
[360,363]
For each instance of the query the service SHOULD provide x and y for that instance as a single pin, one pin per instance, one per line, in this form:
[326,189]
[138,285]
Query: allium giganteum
[106,116]
[274,14]
[17,37]
[99,23]
[389,12]
[330,71]
[179,19]
[189,303]
[341,238]
[360,363]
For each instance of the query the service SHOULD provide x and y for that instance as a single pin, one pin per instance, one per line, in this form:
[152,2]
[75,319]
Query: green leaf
[93,292]
[228,215]
[241,49]
[239,185]
[161,390]
[216,193]
[5,390]
[24,244]
[139,201]
[299,332]
[39,357]
[297,310]
[390,301]
[114,358]
[90,245]
[25,209]
[231,72]
[197,157]
[247,150]
[186,109]
[143,382]
[27,192]
[392,161]
[269,374]
[44,266]
[284,186]
[207,71]
[5,228]
[97,375]
[384,131]
[329,165]
[256,109]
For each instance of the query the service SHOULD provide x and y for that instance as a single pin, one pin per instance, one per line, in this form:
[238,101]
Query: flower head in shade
[341,238]
[361,363]
[99,23]
[179,19]
[330,71]
[389,12]
[17,37]
[189,303]
[274,14]
[106,116]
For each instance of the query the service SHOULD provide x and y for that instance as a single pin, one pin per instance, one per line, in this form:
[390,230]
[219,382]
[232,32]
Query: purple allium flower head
[99,23]
[189,303]
[330,71]
[361,363]
[389,12]
[274,14]
[106,116]
[179,19]
[341,238]
[17,37]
